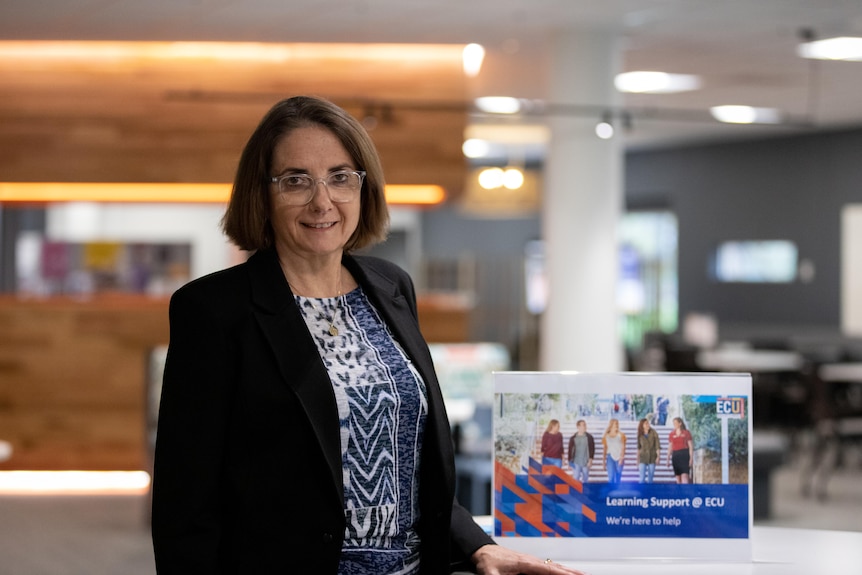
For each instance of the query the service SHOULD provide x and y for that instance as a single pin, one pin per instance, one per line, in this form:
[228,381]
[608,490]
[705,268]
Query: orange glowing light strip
[112,192]
[404,194]
[74,482]
[106,51]
[47,192]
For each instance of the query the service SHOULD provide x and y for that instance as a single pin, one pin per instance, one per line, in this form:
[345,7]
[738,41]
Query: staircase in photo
[596,426]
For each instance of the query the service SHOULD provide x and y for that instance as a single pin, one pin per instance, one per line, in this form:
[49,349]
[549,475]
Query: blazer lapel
[395,307]
[303,371]
[296,355]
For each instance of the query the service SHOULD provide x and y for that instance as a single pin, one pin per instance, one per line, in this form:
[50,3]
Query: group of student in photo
[581,449]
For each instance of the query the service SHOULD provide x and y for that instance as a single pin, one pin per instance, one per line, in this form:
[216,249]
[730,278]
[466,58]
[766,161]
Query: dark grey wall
[13,221]
[788,188]
[446,233]
[780,188]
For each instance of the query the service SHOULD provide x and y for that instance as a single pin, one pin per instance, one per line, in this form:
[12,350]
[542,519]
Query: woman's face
[321,227]
[646,425]
[676,423]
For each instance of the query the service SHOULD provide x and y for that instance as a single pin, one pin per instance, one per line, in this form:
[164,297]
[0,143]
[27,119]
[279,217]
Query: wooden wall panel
[73,380]
[73,376]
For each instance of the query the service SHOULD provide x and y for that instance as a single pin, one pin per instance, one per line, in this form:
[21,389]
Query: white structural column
[582,205]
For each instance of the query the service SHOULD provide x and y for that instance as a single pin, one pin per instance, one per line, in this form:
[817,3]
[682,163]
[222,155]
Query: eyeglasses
[299,189]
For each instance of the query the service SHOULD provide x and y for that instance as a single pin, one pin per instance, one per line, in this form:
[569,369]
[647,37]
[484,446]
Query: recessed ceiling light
[745,115]
[644,82]
[843,48]
[493,178]
[513,178]
[604,130]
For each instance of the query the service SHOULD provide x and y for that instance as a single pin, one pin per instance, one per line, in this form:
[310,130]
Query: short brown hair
[247,219]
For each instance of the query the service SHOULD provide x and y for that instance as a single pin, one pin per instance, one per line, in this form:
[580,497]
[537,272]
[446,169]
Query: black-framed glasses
[299,189]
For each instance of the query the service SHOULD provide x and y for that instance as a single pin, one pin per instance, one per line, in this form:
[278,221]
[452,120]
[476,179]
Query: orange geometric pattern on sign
[531,496]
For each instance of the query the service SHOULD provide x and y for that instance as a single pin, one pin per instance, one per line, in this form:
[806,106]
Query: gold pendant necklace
[333,331]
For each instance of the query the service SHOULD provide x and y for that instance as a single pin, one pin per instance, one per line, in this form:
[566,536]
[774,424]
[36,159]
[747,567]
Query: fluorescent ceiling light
[498,104]
[843,48]
[472,58]
[509,133]
[745,115]
[644,82]
[475,148]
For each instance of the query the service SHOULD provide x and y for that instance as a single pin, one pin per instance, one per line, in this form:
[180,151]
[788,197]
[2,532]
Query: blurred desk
[847,372]
[746,360]
[837,408]
[775,551]
[775,379]
[769,451]
[474,477]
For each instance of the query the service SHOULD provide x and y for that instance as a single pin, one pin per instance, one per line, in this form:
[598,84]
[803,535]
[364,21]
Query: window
[761,261]
[647,294]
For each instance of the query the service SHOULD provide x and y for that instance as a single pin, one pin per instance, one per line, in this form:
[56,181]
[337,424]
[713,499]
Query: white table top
[775,550]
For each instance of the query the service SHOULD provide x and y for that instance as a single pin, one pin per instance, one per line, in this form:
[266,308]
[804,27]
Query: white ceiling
[744,50]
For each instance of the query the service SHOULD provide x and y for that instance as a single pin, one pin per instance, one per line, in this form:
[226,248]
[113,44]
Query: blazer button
[327,538]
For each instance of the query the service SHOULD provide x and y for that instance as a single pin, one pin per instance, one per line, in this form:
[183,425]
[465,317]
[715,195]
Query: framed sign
[626,465]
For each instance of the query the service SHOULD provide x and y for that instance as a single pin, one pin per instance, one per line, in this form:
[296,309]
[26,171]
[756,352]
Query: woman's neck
[318,278]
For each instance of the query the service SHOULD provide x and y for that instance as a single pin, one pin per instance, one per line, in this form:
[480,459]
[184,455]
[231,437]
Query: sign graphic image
[584,460]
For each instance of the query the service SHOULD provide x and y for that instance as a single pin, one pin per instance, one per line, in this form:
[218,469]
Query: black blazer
[248,462]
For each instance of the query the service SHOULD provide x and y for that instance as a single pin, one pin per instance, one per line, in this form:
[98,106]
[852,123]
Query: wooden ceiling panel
[186,120]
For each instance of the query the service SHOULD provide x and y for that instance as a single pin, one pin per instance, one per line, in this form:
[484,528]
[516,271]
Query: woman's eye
[295,181]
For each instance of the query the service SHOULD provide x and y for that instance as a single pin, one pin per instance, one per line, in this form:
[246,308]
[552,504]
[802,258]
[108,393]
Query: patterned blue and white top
[382,407]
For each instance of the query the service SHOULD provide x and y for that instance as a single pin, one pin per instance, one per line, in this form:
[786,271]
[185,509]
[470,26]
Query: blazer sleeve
[467,537]
[193,412]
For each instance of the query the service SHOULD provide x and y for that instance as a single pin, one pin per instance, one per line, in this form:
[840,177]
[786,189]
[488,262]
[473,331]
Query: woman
[301,425]
[614,442]
[582,450]
[552,444]
[680,451]
[649,449]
